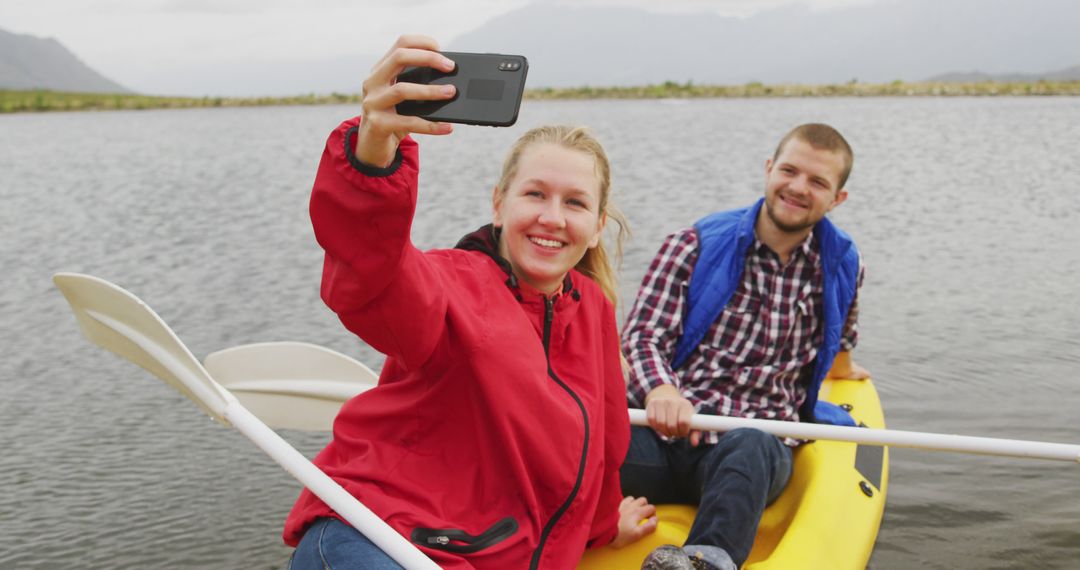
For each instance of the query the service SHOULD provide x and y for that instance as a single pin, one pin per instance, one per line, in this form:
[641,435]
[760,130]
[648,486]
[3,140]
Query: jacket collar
[486,240]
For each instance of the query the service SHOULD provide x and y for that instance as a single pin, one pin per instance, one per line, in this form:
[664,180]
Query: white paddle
[118,321]
[310,365]
[290,385]
[889,437]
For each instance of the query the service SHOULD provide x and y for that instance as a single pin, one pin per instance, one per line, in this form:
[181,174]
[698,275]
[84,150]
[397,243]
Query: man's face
[802,185]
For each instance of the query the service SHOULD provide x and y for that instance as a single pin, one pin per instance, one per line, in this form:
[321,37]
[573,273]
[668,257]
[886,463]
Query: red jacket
[498,412]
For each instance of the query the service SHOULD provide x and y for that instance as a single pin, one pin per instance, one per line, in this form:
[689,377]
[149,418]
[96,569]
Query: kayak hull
[827,517]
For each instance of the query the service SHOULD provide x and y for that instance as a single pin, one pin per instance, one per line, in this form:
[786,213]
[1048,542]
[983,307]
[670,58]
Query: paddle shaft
[892,438]
[344,504]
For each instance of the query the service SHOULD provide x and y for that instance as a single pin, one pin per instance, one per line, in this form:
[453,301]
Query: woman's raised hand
[382,128]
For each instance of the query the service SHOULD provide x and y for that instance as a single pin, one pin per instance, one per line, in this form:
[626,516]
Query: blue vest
[724,238]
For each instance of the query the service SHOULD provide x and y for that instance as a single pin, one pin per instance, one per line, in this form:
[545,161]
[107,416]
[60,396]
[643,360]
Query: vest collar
[833,243]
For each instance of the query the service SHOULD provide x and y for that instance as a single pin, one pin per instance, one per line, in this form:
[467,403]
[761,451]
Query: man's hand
[844,368]
[637,518]
[669,413]
[857,372]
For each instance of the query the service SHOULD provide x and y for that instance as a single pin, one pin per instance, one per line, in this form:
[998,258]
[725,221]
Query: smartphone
[489,88]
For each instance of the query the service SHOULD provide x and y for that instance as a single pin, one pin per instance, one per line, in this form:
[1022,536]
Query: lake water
[967,212]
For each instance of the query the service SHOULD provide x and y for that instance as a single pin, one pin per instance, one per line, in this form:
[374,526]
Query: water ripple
[965,210]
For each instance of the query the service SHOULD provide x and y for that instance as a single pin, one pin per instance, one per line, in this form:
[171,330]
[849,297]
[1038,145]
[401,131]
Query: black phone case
[489,89]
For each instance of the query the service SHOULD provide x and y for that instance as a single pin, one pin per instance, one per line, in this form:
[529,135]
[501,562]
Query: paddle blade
[290,385]
[121,323]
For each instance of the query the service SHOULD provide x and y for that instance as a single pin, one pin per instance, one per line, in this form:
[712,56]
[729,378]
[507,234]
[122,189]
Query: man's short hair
[821,137]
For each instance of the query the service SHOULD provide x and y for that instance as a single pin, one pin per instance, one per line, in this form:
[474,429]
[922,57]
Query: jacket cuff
[364,168]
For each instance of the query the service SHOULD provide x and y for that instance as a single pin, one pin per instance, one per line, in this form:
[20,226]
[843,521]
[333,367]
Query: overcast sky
[147,44]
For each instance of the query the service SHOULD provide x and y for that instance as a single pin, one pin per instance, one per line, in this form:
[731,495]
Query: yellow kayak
[827,517]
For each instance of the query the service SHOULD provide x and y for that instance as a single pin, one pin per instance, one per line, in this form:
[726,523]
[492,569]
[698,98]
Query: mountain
[1067,74]
[257,78]
[571,46]
[28,62]
[880,42]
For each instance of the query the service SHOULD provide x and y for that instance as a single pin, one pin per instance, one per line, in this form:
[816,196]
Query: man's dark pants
[731,482]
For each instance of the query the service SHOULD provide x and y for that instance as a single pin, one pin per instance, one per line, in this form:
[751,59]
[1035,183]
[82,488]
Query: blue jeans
[330,544]
[731,482]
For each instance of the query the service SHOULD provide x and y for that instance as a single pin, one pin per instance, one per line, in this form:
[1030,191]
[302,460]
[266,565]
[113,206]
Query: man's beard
[785,226]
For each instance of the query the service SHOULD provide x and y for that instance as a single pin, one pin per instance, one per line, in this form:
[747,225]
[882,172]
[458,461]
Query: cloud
[139,42]
[204,6]
[739,8]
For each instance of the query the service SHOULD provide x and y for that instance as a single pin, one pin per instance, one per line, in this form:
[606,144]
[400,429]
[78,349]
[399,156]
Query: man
[742,315]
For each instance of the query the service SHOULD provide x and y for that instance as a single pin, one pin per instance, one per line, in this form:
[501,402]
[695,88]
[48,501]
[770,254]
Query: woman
[495,436]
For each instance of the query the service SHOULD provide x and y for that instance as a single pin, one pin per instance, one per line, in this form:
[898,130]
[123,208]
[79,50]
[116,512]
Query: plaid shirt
[751,361]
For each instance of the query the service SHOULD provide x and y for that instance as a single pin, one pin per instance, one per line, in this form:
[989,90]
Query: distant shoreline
[46,101]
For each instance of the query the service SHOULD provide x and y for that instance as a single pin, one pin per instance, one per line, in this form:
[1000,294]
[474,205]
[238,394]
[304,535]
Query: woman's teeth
[545,242]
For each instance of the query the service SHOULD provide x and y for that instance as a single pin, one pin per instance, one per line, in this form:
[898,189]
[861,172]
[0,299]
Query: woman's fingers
[382,128]
[386,71]
[380,133]
[636,509]
[408,41]
[644,509]
[637,518]
[384,97]
[644,518]
[400,125]
[380,115]
[418,41]
[645,528]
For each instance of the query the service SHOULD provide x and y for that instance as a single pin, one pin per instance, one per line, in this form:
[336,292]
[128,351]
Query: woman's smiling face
[549,214]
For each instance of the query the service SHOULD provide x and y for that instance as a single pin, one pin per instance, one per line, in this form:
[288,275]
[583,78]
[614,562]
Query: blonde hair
[595,263]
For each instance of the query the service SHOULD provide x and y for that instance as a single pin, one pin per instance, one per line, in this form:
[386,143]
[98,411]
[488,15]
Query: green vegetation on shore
[672,90]
[40,100]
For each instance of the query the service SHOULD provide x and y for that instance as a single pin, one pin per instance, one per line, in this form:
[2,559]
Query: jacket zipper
[441,538]
[549,315]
